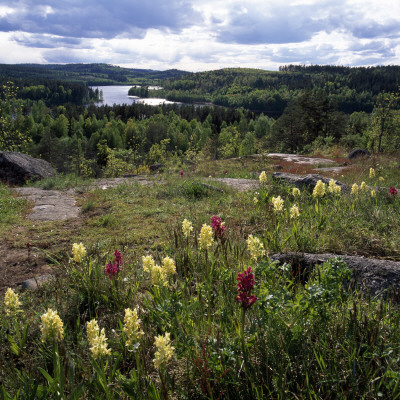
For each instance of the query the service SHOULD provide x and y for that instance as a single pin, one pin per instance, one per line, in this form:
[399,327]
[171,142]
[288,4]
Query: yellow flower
[277,202]
[78,252]
[97,339]
[255,247]
[363,186]
[263,177]
[164,350]
[158,276]
[186,227]
[51,326]
[319,189]
[373,193]
[354,189]
[295,192]
[333,187]
[372,173]
[206,237]
[255,200]
[381,179]
[294,212]
[11,302]
[148,263]
[132,327]
[168,266]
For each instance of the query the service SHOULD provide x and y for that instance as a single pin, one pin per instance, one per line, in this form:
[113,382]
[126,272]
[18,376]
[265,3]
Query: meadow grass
[304,337]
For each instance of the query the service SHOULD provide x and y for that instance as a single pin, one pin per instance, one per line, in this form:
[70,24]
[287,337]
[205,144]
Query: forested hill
[89,74]
[351,88]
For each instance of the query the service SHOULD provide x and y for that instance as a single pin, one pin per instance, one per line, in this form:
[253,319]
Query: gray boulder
[381,278]
[18,168]
[305,181]
[358,153]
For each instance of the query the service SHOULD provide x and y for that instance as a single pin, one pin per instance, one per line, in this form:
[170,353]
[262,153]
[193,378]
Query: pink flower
[393,191]
[244,287]
[181,173]
[217,226]
[112,269]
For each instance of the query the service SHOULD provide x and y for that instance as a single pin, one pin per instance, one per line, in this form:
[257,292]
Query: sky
[199,35]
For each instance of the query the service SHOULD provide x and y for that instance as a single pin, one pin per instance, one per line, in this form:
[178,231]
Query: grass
[316,338]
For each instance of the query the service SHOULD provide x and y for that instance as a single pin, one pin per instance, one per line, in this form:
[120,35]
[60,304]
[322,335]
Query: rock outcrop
[380,278]
[305,181]
[18,168]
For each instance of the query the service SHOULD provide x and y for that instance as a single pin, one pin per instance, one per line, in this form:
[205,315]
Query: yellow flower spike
[168,265]
[206,237]
[294,212]
[255,247]
[372,173]
[97,340]
[11,302]
[354,189]
[132,327]
[277,203]
[263,178]
[51,326]
[78,252]
[148,263]
[319,189]
[373,193]
[164,350]
[296,192]
[187,227]
[363,186]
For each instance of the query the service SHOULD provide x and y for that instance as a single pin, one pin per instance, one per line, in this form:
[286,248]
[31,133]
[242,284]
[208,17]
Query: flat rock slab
[50,205]
[241,185]
[379,277]
[298,159]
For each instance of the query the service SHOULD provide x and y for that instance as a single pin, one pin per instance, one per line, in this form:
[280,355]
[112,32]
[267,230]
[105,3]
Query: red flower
[181,173]
[112,269]
[393,191]
[244,287]
[217,226]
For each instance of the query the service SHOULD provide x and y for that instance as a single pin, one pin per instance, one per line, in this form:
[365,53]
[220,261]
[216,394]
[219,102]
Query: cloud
[96,18]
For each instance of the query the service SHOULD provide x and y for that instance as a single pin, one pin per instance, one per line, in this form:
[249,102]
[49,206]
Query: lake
[119,95]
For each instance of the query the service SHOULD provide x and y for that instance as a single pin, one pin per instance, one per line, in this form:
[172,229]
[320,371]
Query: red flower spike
[244,287]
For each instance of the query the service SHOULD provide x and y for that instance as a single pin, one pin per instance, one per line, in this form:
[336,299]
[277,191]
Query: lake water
[119,95]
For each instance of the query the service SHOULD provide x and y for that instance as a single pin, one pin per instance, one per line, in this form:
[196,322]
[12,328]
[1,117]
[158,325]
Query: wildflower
[294,212]
[381,179]
[164,350]
[148,263]
[187,227]
[113,268]
[392,191]
[277,202]
[295,192]
[255,200]
[217,226]
[11,302]
[132,326]
[371,173]
[206,236]
[255,247]
[181,173]
[333,187]
[319,189]
[168,265]
[373,193]
[363,186]
[354,189]
[97,339]
[263,178]
[158,276]
[51,326]
[244,288]
[78,252]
